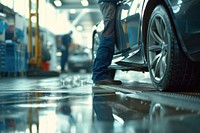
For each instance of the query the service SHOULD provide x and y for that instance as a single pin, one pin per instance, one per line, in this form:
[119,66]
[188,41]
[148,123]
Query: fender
[182,20]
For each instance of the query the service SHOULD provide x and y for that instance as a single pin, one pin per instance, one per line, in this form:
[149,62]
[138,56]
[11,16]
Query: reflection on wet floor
[70,104]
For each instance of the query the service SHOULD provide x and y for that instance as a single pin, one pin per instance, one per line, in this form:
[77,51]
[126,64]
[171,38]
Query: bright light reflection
[73,129]
[79,117]
[72,11]
[48,122]
[177,7]
[120,120]
[58,3]
[19,6]
[33,19]
[59,54]
[34,128]
[49,43]
[84,3]
[58,67]
[86,10]
[38,105]
[79,28]
[33,11]
[33,1]
[4,2]
[10,4]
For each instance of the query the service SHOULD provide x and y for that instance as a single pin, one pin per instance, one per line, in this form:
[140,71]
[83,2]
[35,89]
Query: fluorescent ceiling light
[33,11]
[58,3]
[84,3]
[58,54]
[33,19]
[72,11]
[79,28]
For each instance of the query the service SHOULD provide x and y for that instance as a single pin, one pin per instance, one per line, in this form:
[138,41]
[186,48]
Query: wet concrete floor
[71,104]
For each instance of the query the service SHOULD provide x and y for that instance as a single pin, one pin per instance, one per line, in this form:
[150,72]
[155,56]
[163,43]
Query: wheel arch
[93,34]
[147,14]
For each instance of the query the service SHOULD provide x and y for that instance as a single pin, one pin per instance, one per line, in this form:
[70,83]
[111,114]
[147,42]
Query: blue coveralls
[107,41]
[66,40]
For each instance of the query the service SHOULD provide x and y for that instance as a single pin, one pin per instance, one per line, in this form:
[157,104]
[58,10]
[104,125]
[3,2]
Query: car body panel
[187,25]
[128,35]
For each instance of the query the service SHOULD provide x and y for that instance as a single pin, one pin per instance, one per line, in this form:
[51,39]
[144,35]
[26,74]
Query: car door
[127,22]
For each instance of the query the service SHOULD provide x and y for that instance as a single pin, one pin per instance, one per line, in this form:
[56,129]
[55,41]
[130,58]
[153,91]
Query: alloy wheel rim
[158,43]
[95,45]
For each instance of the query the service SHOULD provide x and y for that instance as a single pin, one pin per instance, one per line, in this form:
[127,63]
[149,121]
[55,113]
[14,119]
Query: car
[81,59]
[160,37]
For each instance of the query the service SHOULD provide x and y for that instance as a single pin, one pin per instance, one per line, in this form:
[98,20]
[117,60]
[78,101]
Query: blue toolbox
[2,57]
[12,57]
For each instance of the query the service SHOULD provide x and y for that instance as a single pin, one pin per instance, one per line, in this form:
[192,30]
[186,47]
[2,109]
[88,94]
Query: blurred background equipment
[25,26]
[81,59]
[36,65]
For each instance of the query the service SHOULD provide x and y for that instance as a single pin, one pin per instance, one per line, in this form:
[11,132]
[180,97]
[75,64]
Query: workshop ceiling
[85,16]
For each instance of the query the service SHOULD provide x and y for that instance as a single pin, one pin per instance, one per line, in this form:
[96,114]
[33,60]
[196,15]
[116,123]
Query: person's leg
[106,47]
[63,61]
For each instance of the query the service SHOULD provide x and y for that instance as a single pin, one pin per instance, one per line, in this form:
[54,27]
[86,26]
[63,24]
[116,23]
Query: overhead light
[79,28]
[58,54]
[58,3]
[33,19]
[84,3]
[33,11]
[72,11]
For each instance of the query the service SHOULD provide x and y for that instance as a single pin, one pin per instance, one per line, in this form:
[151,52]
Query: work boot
[108,82]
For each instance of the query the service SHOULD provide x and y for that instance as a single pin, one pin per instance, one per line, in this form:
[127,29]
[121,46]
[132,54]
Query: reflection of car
[159,36]
[80,60]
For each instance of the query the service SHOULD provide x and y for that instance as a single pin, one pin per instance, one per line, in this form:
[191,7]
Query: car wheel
[169,68]
[95,45]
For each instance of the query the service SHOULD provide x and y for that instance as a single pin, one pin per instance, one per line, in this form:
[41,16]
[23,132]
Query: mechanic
[66,42]
[106,47]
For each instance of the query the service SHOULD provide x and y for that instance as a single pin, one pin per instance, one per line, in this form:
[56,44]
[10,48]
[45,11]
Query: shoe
[108,82]
[63,71]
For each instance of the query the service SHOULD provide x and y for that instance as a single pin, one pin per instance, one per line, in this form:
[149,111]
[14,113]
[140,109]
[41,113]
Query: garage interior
[35,97]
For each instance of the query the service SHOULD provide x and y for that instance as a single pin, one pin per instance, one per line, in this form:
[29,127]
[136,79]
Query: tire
[95,45]
[169,68]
